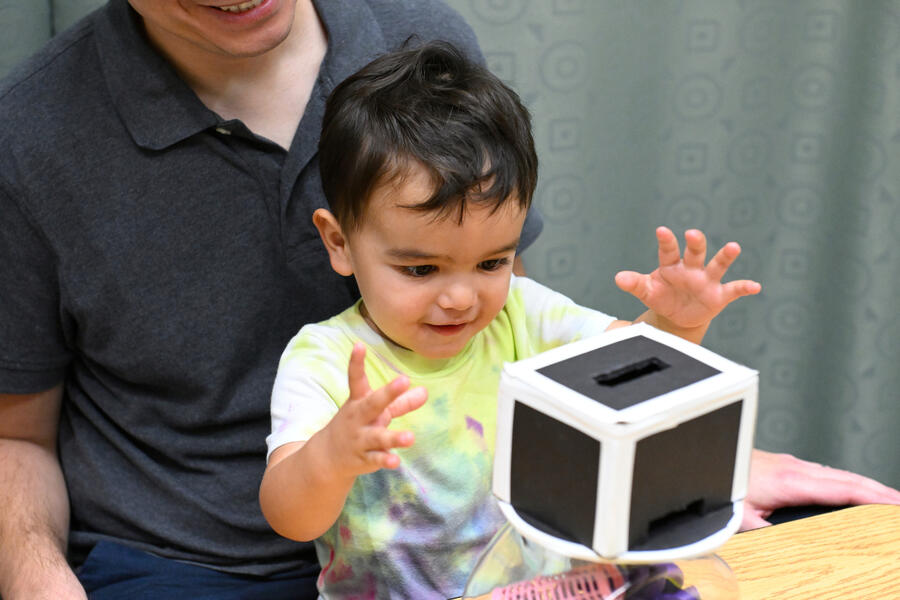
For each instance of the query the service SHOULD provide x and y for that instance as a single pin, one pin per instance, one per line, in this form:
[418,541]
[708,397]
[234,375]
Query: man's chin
[252,49]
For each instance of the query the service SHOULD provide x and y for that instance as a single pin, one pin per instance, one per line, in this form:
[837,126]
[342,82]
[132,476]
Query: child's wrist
[330,455]
[693,333]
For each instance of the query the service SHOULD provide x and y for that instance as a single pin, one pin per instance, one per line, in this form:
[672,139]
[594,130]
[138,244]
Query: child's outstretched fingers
[695,249]
[634,283]
[369,412]
[393,400]
[380,441]
[376,404]
[733,290]
[362,432]
[356,373]
[408,401]
[669,253]
[683,292]
[396,398]
[723,260]
[717,268]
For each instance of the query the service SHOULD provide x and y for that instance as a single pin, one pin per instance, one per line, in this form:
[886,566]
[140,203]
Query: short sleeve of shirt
[310,386]
[33,355]
[542,318]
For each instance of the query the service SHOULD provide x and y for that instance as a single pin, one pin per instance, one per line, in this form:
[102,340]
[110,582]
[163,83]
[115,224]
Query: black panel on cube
[682,480]
[553,475]
[628,372]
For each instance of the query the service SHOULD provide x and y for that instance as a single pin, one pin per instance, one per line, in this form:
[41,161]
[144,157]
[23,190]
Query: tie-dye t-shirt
[416,532]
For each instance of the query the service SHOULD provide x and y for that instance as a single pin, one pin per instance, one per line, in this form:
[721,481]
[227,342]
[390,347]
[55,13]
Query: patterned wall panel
[66,12]
[771,123]
[776,124]
[24,27]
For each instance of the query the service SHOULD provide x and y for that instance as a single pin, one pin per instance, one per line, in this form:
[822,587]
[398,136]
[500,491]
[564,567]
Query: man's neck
[268,92]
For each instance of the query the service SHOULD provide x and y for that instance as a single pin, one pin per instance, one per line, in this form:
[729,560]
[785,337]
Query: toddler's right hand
[358,433]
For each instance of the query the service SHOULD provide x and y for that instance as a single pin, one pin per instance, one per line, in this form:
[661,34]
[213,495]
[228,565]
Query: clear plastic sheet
[514,568]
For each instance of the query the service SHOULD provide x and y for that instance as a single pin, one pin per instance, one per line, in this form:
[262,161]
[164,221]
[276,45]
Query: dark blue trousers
[114,572]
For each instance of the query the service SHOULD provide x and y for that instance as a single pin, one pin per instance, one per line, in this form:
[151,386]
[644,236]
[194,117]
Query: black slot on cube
[629,372]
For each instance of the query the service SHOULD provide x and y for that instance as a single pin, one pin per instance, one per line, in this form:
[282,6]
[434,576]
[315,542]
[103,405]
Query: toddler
[428,165]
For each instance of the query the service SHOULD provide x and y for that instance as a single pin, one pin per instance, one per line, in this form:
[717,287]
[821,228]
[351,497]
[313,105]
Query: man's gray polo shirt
[157,259]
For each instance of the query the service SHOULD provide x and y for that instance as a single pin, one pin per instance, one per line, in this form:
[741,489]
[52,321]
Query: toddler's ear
[335,242]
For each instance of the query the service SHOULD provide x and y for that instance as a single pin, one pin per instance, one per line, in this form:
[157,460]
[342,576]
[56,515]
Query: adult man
[155,198]
[156,203]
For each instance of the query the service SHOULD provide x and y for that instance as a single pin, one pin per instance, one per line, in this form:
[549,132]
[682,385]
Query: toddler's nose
[457,296]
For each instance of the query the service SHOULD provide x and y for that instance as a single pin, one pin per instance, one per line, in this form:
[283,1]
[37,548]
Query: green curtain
[25,25]
[774,123]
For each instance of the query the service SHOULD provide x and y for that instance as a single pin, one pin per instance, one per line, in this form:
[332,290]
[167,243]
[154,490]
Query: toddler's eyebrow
[507,248]
[415,254]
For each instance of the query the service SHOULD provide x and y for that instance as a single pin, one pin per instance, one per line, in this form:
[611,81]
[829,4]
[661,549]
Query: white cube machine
[633,446]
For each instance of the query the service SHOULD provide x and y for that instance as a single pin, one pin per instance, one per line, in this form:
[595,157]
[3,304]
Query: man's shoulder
[39,96]
[421,8]
[426,20]
[56,64]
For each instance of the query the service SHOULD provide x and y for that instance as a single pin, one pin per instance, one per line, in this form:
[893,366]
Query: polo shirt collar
[156,105]
[159,109]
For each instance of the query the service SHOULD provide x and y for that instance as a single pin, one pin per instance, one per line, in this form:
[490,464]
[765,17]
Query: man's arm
[34,521]
[781,480]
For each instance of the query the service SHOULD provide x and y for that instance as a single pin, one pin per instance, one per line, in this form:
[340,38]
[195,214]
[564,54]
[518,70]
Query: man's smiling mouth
[242,7]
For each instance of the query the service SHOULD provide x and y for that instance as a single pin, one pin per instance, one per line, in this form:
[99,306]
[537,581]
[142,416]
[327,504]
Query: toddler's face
[429,284]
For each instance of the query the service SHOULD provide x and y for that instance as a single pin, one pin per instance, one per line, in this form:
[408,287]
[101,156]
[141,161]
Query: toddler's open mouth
[451,329]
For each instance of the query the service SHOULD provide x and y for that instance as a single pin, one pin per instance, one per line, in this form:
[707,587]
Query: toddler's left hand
[684,290]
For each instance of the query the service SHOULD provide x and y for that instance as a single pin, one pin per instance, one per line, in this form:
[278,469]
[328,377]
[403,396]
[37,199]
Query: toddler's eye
[493,264]
[419,270]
